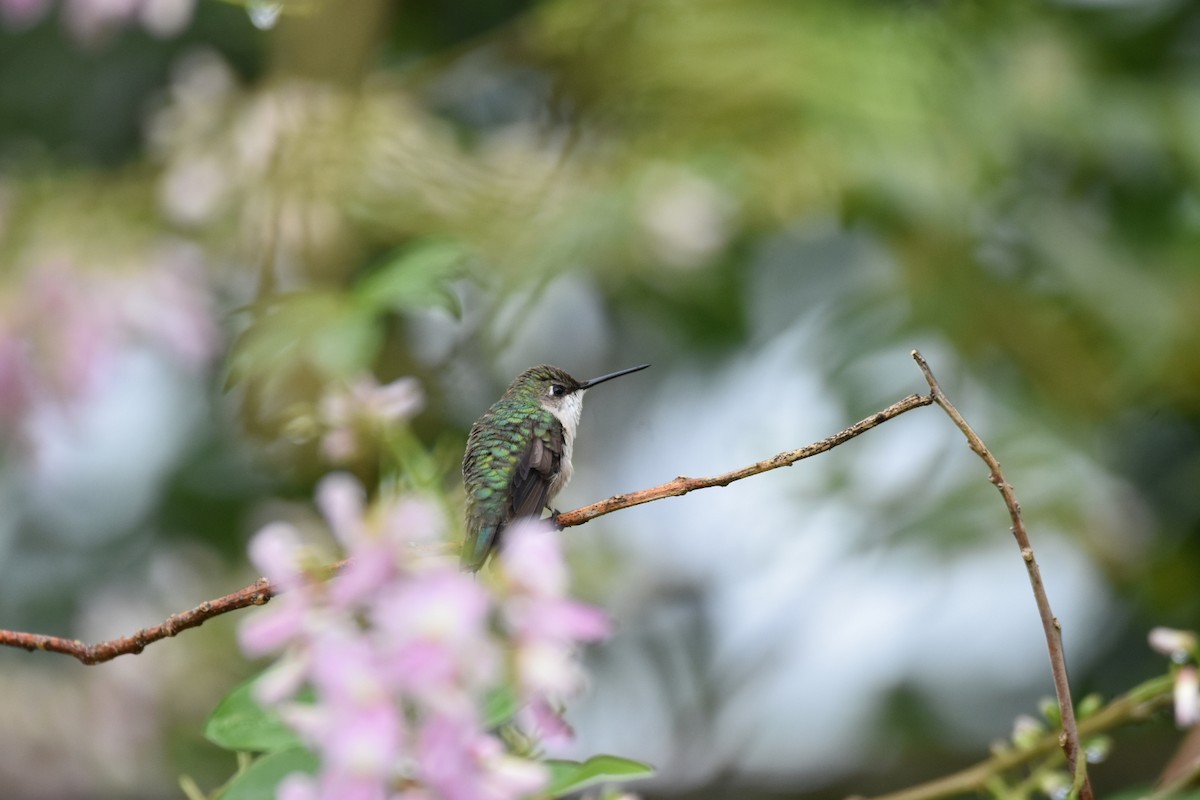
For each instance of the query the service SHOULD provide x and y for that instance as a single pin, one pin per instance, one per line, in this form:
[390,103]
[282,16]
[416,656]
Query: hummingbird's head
[556,390]
[552,387]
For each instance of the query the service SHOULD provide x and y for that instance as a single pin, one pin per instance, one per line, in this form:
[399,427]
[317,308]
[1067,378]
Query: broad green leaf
[260,780]
[501,705]
[571,776]
[240,723]
[416,277]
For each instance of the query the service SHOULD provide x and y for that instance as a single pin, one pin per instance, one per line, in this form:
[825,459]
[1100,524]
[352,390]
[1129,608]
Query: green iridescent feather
[512,456]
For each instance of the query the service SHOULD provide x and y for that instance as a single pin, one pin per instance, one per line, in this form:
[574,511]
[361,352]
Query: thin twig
[1183,768]
[256,594]
[261,591]
[1137,704]
[1076,765]
[682,485]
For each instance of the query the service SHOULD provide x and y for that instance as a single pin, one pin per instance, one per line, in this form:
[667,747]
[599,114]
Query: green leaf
[316,330]
[260,780]
[571,776]
[416,277]
[240,723]
[501,706]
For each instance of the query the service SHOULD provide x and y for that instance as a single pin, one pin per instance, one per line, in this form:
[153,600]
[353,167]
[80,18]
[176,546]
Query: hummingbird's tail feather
[477,546]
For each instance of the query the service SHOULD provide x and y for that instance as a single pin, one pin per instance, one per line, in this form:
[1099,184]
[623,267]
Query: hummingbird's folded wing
[537,468]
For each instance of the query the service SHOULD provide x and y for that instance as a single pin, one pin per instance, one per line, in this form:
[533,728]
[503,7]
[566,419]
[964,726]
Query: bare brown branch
[261,591]
[682,485]
[256,594]
[1050,625]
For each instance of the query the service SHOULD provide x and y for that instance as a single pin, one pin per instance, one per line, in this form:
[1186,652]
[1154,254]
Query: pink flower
[555,619]
[545,626]
[460,763]
[297,786]
[434,627]
[380,541]
[356,416]
[532,559]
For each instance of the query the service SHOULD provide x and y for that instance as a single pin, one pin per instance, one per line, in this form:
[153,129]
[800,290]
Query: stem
[1139,703]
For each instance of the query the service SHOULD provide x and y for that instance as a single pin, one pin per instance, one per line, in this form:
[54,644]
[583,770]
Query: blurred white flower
[686,217]
[1179,645]
[1187,697]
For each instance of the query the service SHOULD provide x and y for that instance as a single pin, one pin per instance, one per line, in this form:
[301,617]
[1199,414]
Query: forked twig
[1076,764]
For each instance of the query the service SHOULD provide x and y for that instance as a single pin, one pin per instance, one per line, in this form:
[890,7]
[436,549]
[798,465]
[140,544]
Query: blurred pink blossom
[18,14]
[354,417]
[89,21]
[544,624]
[402,662]
[459,762]
[62,329]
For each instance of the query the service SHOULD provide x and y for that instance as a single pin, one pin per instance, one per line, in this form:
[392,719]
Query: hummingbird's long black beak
[590,383]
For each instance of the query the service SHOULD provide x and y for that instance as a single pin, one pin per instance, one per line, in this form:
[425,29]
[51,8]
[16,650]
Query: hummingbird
[518,454]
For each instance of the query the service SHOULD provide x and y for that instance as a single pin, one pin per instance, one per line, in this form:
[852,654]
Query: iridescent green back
[497,454]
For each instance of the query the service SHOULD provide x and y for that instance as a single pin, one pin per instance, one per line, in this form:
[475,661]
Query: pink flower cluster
[401,650]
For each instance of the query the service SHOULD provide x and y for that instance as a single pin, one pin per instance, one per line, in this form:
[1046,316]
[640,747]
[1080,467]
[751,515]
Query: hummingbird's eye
[558,390]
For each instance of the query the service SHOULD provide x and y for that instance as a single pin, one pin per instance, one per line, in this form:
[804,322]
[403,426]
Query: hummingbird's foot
[554,512]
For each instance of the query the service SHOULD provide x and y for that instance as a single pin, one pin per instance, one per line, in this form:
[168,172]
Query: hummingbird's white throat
[567,412]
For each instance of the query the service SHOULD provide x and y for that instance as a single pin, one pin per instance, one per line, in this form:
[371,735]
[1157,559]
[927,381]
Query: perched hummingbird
[519,454]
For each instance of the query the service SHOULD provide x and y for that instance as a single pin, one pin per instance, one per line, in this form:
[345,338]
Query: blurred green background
[211,213]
